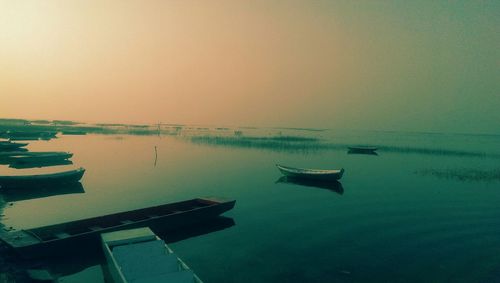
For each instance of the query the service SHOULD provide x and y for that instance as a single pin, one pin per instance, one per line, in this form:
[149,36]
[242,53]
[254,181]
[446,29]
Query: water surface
[393,221]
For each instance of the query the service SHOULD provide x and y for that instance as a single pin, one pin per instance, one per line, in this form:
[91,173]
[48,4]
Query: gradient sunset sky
[384,65]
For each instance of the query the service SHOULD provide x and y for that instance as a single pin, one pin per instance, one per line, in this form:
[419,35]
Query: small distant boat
[139,255]
[362,149]
[29,181]
[63,238]
[316,174]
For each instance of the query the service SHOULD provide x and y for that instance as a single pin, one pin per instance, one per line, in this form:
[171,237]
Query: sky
[382,65]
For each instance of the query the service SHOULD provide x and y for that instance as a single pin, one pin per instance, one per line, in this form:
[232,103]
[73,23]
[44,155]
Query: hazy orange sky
[395,65]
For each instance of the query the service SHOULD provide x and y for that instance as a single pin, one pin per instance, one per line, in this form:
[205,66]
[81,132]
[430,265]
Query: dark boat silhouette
[312,174]
[41,180]
[12,195]
[61,239]
[8,145]
[361,149]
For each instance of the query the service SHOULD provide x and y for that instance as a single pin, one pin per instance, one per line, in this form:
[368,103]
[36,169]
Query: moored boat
[316,174]
[40,180]
[8,145]
[139,255]
[24,152]
[84,234]
[40,164]
[39,158]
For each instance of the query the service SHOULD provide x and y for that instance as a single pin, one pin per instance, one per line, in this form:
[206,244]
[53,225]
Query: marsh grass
[312,144]
[463,174]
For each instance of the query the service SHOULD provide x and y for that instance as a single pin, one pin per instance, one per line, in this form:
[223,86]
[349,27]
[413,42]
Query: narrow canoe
[316,174]
[48,157]
[135,255]
[64,238]
[8,145]
[30,181]
[25,152]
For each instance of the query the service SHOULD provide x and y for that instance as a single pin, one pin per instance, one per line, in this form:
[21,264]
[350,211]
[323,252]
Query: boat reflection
[27,193]
[216,224]
[17,165]
[334,186]
[350,151]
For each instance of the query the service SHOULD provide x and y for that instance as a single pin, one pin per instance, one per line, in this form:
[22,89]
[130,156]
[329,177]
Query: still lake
[425,209]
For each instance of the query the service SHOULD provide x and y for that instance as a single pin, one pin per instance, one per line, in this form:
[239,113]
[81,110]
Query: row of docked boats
[28,135]
[17,156]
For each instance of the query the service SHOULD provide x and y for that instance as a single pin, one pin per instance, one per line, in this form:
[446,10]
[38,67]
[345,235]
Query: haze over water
[236,87]
[386,65]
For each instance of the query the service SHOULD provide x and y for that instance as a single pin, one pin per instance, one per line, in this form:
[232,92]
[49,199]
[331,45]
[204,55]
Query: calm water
[405,215]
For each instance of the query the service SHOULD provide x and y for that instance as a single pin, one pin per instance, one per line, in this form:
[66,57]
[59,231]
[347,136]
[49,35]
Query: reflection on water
[20,194]
[463,174]
[29,165]
[392,223]
[350,151]
[334,186]
[211,225]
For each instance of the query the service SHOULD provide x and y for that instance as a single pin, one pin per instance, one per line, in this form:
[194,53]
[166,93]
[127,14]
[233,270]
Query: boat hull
[365,150]
[311,174]
[84,236]
[31,181]
[40,158]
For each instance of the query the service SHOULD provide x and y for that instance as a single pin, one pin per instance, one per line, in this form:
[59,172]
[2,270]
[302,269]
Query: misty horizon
[426,66]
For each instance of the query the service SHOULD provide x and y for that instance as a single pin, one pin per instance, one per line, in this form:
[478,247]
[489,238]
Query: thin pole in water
[156,155]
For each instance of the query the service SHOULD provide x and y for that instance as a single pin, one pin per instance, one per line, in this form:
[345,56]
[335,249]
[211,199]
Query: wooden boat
[25,152]
[316,174]
[47,157]
[28,156]
[334,186]
[84,234]
[30,181]
[362,149]
[8,145]
[31,134]
[139,255]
